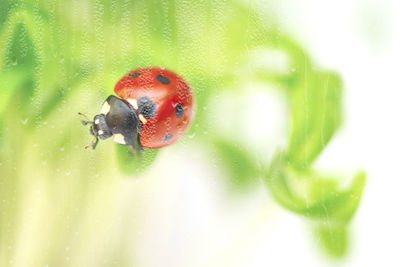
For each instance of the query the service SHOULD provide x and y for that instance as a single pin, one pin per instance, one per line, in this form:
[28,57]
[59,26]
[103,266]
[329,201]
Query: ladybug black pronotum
[155,108]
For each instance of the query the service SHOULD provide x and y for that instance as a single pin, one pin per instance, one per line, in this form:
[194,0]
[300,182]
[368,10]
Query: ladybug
[154,109]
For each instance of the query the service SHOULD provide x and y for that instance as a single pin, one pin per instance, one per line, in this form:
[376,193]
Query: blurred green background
[62,205]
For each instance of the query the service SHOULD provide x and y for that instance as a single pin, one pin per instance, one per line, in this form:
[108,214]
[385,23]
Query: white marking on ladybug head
[100,132]
[120,139]
[97,121]
[142,119]
[133,103]
[105,108]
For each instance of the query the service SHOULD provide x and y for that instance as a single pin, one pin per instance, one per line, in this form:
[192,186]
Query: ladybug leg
[130,141]
[94,143]
[141,149]
[133,148]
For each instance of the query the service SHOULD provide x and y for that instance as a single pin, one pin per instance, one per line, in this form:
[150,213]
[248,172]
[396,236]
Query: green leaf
[339,205]
[18,68]
[21,52]
[131,163]
[27,44]
[313,195]
[6,6]
[334,239]
[316,115]
[10,82]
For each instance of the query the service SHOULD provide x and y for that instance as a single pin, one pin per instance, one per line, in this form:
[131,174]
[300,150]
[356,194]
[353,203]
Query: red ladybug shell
[172,96]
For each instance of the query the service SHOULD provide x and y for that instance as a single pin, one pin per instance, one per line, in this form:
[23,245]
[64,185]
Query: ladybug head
[98,128]
[117,118]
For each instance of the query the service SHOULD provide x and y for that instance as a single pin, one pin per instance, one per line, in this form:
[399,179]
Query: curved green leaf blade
[316,115]
[313,195]
[334,239]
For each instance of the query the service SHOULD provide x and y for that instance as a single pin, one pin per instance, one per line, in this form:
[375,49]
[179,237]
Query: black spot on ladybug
[134,75]
[167,137]
[162,79]
[146,107]
[179,110]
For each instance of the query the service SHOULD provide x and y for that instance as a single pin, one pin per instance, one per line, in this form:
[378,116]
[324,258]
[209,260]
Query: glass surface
[290,158]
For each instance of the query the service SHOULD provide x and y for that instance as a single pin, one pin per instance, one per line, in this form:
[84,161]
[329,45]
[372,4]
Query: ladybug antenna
[87,121]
